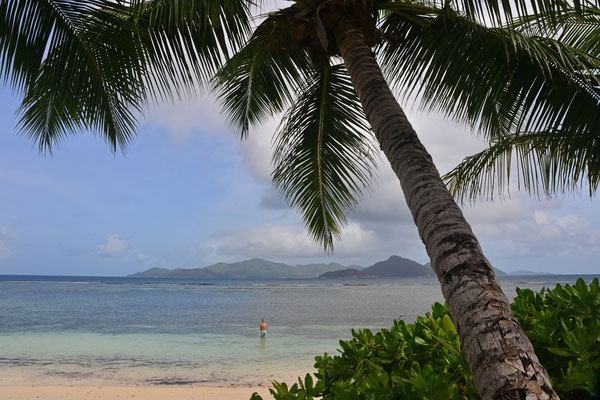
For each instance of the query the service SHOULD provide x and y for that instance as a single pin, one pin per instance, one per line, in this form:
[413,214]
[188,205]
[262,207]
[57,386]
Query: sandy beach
[76,392]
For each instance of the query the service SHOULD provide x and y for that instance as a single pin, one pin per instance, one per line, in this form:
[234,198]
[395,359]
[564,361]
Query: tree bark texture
[499,354]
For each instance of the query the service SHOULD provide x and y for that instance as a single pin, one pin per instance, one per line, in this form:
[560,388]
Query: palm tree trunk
[499,354]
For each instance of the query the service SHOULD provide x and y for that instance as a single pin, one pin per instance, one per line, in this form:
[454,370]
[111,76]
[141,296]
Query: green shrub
[423,360]
[564,327]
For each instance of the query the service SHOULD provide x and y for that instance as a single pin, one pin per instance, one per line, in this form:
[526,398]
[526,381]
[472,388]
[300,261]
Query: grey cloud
[521,234]
[271,200]
[385,204]
[447,142]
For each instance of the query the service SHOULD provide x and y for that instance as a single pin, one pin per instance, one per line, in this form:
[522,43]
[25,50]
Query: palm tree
[93,65]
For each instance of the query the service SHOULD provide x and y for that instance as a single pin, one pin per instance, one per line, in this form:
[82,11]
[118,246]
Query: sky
[188,193]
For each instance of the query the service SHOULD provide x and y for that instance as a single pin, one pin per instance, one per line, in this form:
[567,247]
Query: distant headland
[257,268]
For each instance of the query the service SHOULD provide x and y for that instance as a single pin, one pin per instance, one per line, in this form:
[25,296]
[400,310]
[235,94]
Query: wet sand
[76,392]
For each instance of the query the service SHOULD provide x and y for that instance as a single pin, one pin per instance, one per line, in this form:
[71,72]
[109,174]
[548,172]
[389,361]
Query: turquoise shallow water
[115,330]
[155,358]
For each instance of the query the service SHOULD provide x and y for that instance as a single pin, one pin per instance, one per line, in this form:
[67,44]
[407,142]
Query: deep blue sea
[73,329]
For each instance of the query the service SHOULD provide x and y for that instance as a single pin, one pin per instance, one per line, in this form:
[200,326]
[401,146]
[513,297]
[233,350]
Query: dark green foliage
[323,156]
[412,361]
[258,82]
[549,162]
[187,41]
[520,82]
[528,92]
[94,65]
[564,327]
[423,360]
[77,65]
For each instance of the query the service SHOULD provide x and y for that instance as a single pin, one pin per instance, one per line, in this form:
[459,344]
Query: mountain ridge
[258,268]
[394,266]
[255,268]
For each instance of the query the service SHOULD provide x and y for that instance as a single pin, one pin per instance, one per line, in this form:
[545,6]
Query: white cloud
[570,230]
[7,242]
[257,150]
[447,142]
[289,244]
[114,247]
[262,241]
[524,233]
[182,119]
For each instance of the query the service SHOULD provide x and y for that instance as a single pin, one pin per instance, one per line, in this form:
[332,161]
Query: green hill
[255,268]
[398,266]
[394,266]
[258,268]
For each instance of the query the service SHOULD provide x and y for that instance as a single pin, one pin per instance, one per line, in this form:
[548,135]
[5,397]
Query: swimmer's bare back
[263,328]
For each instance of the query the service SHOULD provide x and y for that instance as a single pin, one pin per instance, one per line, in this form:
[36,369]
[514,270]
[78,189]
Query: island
[258,268]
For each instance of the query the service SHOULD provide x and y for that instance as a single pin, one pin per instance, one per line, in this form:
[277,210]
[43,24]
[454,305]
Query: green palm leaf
[548,162]
[187,41]
[580,30]
[263,77]
[497,80]
[94,65]
[30,29]
[323,155]
[78,65]
[562,154]
[496,12]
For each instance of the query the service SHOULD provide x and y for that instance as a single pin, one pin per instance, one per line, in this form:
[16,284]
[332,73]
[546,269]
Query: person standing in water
[263,328]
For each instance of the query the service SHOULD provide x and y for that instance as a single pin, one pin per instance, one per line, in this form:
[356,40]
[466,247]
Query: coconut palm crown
[334,68]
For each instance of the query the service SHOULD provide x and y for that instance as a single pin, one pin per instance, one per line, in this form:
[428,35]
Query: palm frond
[544,162]
[263,77]
[78,65]
[93,65]
[497,80]
[496,12]
[577,28]
[29,30]
[323,156]
[187,41]
[582,31]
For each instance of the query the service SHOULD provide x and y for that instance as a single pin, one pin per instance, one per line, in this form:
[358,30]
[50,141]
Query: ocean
[109,330]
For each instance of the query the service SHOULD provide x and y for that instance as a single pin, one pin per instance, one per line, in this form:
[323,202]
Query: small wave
[52,282]
[180,283]
[175,381]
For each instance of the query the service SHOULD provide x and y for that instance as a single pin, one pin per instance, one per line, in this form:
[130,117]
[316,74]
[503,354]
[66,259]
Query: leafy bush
[564,327]
[423,360]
